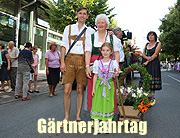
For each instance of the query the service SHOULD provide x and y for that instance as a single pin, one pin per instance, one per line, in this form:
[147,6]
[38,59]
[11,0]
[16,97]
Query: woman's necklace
[151,44]
[101,37]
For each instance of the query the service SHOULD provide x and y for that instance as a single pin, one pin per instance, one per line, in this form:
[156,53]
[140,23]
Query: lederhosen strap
[73,37]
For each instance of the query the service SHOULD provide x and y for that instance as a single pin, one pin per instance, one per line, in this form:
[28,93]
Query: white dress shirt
[116,44]
[78,47]
[121,52]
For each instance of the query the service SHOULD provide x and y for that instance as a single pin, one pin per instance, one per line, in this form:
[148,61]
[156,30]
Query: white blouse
[78,47]
[88,44]
[96,65]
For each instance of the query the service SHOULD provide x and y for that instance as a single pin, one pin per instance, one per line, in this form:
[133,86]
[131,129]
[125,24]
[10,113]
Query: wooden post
[117,82]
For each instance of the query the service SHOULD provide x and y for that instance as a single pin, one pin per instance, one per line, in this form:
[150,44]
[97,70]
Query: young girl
[103,91]
[35,67]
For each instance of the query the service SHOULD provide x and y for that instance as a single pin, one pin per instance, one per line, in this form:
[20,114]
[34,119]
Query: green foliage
[145,75]
[170,31]
[63,12]
[163,56]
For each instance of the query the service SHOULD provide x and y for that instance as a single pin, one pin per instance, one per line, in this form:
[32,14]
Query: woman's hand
[110,33]
[93,93]
[145,63]
[8,68]
[63,67]
[47,71]
[148,58]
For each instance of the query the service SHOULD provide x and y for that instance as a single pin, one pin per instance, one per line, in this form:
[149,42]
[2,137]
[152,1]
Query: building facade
[23,21]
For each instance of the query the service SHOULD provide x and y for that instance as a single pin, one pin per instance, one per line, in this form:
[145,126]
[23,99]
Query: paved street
[18,119]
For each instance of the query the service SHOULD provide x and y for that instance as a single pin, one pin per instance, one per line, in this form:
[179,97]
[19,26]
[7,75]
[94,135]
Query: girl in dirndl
[103,91]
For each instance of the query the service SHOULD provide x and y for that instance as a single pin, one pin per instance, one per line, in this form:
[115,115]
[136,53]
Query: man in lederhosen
[73,67]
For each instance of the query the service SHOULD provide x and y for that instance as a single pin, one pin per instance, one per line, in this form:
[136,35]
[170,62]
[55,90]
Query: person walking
[13,56]
[25,59]
[52,61]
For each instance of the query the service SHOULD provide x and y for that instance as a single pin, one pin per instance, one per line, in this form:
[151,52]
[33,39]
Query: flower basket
[131,114]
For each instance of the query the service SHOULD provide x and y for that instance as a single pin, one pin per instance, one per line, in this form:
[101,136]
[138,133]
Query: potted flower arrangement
[136,100]
[136,97]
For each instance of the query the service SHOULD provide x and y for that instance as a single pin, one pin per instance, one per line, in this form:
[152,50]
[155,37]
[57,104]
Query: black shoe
[30,91]
[36,91]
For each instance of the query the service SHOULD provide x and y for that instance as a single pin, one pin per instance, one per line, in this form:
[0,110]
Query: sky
[140,16]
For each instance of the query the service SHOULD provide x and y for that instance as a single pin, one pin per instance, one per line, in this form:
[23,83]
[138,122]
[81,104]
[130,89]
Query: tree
[170,31]
[63,12]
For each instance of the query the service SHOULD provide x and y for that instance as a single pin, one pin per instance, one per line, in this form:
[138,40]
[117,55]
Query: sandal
[2,89]
[9,90]
[54,93]
[36,91]
[50,95]
[30,91]
[78,121]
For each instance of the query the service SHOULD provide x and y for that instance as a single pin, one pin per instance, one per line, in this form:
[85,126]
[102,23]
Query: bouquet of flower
[128,50]
[134,96]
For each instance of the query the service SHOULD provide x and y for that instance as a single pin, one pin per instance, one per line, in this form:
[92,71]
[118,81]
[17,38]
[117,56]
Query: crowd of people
[171,66]
[15,69]
[87,56]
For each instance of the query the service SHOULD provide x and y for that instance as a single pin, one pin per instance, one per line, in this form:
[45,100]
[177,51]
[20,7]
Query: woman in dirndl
[152,63]
[93,44]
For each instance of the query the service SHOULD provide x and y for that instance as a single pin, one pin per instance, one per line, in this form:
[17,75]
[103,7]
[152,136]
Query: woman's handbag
[32,70]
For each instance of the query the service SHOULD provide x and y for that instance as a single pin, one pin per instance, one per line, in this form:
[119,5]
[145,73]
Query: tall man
[118,32]
[74,65]
[13,56]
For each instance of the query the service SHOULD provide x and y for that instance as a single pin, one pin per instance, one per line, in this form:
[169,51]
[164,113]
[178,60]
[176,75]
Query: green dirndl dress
[103,108]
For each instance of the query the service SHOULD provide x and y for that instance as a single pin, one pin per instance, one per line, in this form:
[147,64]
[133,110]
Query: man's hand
[63,67]
[88,72]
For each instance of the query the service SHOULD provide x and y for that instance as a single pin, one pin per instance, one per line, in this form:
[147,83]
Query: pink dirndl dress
[36,62]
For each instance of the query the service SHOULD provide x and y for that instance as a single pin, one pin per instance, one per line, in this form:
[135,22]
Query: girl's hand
[93,93]
[0,67]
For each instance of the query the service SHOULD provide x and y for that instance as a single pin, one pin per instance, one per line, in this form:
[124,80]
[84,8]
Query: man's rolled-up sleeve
[65,41]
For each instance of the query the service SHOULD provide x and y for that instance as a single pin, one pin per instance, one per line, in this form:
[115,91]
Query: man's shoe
[18,96]
[24,99]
